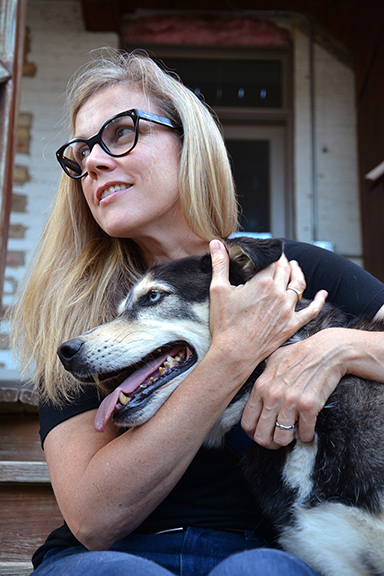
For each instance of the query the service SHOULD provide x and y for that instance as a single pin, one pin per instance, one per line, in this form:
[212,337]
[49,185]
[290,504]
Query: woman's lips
[112,189]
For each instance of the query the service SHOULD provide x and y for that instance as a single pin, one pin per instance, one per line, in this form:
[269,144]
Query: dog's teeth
[161,370]
[169,363]
[123,399]
[180,355]
[152,379]
[142,386]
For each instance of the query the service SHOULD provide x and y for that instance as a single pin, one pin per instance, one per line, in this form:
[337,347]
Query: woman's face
[135,196]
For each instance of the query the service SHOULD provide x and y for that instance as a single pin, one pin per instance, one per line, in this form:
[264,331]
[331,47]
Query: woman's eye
[119,134]
[124,131]
[84,152]
[81,152]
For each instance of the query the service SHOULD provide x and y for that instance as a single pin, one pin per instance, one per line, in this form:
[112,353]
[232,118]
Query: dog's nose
[68,350]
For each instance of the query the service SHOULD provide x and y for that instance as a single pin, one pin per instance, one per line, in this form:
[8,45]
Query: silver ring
[282,427]
[300,294]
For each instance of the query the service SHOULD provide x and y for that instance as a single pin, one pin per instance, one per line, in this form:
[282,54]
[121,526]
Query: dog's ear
[250,255]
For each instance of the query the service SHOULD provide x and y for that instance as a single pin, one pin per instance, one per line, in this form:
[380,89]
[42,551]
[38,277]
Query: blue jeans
[192,552]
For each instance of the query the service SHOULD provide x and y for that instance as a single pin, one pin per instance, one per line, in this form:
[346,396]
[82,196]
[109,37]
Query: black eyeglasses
[117,137]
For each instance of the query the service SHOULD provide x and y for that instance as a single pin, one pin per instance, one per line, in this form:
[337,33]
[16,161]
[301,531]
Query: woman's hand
[250,321]
[294,388]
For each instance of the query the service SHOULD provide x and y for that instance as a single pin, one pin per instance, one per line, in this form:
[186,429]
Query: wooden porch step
[24,472]
[28,509]
[16,568]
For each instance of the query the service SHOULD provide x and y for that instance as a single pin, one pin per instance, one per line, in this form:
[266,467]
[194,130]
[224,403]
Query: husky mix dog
[325,498]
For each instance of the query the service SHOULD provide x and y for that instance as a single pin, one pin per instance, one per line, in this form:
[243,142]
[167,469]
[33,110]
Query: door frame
[278,189]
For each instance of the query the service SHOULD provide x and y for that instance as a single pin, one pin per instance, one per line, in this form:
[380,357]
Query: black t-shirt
[212,493]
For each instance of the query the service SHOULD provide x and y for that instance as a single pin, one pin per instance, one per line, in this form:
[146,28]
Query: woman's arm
[299,379]
[107,484]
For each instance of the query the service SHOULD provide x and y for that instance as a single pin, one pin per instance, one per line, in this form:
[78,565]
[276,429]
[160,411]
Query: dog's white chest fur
[337,540]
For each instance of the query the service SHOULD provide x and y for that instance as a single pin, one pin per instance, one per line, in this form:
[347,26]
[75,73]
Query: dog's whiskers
[119,338]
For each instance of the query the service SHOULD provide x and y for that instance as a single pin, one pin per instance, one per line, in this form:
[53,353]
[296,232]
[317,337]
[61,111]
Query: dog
[325,498]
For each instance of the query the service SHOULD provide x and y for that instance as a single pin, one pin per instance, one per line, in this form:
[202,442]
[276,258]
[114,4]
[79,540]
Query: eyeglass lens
[118,138]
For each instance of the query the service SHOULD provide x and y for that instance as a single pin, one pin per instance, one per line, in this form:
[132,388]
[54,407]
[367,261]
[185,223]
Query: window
[250,92]
[235,83]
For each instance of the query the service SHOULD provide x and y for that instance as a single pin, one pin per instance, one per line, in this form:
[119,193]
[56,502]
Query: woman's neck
[171,248]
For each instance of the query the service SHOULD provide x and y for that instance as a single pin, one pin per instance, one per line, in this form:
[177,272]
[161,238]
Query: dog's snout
[68,350]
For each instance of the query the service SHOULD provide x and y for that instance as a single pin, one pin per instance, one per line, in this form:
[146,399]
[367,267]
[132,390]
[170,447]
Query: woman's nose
[98,161]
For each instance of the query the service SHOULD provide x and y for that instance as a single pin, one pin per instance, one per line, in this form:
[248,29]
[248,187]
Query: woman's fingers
[220,262]
[294,387]
[297,279]
[266,418]
[311,311]
[255,318]
[252,413]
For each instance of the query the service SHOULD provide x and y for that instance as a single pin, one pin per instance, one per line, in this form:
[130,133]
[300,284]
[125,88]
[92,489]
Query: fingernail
[215,246]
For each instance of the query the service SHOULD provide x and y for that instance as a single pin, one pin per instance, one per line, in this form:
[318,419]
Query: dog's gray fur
[324,498]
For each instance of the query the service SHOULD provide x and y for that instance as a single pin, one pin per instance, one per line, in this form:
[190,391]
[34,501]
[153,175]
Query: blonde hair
[77,263]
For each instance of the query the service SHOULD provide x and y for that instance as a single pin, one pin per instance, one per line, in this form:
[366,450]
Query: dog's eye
[154,296]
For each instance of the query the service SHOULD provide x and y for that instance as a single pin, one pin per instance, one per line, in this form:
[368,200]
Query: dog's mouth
[157,369]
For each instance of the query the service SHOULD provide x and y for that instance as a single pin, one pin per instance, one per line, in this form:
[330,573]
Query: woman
[147,179]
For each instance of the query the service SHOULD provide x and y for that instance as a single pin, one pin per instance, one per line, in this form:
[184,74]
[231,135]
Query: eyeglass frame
[136,116]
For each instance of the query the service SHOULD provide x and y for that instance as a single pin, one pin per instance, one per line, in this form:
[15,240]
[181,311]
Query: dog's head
[160,333]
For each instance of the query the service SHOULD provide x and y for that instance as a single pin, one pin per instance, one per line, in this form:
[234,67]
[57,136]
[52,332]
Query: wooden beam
[102,16]
[12,31]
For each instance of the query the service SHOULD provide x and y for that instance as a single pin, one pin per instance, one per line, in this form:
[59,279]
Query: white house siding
[338,216]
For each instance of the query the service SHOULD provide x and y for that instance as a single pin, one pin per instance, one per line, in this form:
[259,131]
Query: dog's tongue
[129,385]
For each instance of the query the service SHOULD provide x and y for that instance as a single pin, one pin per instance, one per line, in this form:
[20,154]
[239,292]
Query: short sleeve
[349,287]
[51,415]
